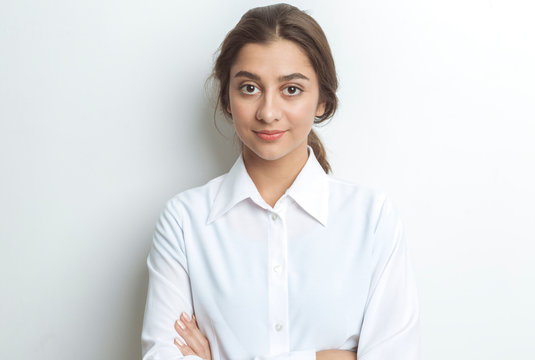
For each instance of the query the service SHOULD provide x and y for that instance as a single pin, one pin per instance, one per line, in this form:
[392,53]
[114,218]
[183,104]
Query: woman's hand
[336,355]
[196,343]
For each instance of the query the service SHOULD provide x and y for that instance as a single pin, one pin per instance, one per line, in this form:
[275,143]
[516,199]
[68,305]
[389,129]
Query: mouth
[269,135]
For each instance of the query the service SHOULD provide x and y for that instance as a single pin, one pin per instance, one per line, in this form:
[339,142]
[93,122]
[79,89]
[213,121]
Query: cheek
[302,114]
[242,116]
[238,107]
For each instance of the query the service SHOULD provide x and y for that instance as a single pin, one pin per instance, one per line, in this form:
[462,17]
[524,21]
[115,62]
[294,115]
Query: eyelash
[297,89]
[244,87]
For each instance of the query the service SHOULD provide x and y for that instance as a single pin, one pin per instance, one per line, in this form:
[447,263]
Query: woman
[276,259]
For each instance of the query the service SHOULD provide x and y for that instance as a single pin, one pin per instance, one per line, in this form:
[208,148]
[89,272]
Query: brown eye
[291,90]
[249,89]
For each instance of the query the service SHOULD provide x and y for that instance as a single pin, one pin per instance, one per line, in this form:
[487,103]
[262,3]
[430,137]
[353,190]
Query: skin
[272,86]
[197,344]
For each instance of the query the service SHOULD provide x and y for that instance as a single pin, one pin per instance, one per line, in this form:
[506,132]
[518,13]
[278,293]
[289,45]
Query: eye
[249,89]
[291,91]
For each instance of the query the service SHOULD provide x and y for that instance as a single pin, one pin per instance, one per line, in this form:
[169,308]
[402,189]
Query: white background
[104,116]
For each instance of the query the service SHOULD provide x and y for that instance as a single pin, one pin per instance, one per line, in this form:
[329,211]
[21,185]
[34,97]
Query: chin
[269,155]
[272,153]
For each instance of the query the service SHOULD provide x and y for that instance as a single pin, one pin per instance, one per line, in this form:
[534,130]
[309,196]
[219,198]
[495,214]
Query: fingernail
[180,324]
[178,342]
[186,316]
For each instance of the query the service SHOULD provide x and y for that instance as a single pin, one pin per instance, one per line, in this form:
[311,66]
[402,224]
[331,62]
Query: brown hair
[282,21]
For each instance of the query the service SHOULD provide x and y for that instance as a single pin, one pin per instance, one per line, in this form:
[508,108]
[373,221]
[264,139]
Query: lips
[269,135]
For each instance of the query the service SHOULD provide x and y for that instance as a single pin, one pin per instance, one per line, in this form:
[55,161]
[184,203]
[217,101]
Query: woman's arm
[197,344]
[169,292]
[336,355]
[390,329]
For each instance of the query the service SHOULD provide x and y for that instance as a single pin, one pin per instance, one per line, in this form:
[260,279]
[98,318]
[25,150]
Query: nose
[269,109]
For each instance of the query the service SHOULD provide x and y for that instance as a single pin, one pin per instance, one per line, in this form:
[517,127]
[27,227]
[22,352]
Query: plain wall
[104,116]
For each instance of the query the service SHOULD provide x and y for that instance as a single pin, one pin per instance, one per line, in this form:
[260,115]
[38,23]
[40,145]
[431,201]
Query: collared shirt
[326,268]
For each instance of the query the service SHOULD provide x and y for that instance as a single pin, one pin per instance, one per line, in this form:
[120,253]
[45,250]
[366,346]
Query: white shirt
[326,268]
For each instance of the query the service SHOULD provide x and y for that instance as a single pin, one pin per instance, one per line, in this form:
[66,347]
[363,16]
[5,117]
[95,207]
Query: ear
[320,110]
[228,109]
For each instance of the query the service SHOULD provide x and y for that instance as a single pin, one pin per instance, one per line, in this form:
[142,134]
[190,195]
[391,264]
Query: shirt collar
[310,190]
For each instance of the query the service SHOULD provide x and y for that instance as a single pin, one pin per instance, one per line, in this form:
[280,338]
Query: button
[274,217]
[277,269]
[278,327]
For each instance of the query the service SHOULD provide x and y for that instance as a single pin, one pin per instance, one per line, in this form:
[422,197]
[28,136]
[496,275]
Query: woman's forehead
[277,58]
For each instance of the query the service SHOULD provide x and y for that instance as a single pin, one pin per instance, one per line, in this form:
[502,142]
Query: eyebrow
[255,77]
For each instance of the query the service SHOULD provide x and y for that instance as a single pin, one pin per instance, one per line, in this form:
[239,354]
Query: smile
[269,135]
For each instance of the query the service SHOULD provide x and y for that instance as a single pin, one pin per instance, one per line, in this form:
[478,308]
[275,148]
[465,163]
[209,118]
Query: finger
[191,324]
[181,329]
[189,335]
[197,339]
[184,349]
[194,320]
[199,343]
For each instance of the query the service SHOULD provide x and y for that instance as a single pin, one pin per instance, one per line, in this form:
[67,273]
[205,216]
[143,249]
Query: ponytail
[315,143]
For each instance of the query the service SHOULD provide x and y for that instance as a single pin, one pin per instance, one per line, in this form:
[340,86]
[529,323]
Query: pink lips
[269,135]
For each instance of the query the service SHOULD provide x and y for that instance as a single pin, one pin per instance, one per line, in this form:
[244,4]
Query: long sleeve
[169,292]
[293,355]
[390,328]
[326,268]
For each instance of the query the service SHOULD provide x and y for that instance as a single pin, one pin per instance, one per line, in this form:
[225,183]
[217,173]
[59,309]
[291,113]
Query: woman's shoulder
[357,198]
[351,190]
[196,200]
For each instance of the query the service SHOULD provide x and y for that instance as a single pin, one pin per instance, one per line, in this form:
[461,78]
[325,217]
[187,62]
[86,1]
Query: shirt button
[278,327]
[277,268]
[274,217]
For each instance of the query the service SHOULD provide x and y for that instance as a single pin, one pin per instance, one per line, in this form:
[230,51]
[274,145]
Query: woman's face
[274,96]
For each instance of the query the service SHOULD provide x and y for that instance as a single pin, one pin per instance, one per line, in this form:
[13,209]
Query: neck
[273,177]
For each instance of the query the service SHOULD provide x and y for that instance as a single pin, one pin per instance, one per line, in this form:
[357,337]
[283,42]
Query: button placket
[278,282]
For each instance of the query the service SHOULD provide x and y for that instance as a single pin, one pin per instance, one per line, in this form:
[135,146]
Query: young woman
[277,259]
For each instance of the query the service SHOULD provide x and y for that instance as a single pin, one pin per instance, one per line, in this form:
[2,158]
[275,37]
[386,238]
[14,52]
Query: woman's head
[264,25]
